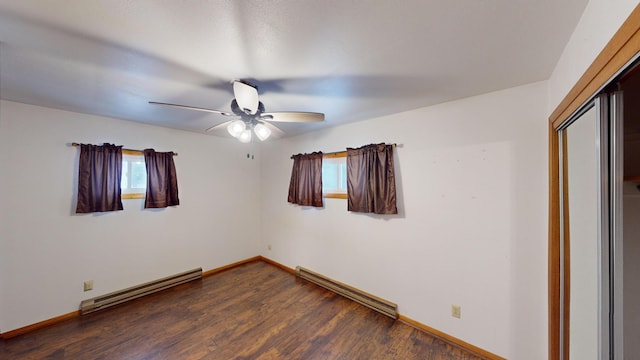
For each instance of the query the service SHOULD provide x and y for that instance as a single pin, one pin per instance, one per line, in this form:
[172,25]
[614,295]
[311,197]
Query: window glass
[334,175]
[134,175]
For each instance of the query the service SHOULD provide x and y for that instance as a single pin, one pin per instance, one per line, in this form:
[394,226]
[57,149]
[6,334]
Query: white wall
[599,22]
[471,178]
[46,251]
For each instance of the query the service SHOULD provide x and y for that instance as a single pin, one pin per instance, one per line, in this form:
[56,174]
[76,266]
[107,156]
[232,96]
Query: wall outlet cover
[88,285]
[455,311]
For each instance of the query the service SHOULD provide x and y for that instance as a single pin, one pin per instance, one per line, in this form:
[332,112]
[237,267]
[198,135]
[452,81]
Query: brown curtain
[162,182]
[371,184]
[99,174]
[305,187]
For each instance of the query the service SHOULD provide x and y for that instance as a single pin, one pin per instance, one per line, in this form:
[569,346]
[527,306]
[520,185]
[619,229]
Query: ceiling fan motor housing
[246,116]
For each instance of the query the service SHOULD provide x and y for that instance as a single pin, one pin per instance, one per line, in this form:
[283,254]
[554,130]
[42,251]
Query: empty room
[186,179]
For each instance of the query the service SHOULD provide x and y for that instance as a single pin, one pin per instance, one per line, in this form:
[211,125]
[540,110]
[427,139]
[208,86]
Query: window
[134,175]
[334,175]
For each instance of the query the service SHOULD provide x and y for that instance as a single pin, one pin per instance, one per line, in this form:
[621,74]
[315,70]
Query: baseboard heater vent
[383,306]
[134,292]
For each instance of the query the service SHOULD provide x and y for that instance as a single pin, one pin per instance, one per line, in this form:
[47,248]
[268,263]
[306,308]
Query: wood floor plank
[253,311]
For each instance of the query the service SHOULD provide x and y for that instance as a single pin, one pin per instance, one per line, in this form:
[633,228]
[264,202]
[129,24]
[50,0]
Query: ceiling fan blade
[219,126]
[275,131]
[293,116]
[246,96]
[192,108]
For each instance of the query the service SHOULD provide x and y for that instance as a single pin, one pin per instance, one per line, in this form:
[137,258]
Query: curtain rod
[75,144]
[344,151]
[337,152]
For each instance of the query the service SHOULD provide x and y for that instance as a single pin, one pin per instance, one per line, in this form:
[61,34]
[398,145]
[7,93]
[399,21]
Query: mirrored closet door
[584,161]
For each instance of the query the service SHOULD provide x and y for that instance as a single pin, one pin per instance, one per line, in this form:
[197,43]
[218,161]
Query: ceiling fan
[252,115]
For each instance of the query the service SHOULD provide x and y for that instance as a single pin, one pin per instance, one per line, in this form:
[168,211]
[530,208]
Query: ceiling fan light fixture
[236,128]
[262,131]
[245,136]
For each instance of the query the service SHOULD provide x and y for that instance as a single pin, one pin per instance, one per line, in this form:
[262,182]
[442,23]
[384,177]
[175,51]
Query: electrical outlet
[269,246]
[455,311]
[88,285]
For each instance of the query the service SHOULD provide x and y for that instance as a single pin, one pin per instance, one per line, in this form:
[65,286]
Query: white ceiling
[352,60]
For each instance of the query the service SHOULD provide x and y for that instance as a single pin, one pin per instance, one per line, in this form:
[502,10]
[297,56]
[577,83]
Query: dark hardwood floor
[254,311]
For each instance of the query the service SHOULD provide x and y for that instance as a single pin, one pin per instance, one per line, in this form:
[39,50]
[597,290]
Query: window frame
[335,195]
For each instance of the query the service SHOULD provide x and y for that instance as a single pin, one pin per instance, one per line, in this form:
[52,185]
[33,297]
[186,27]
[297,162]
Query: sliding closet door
[585,233]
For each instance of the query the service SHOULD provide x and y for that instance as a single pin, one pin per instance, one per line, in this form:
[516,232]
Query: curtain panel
[99,175]
[162,181]
[305,187]
[371,184]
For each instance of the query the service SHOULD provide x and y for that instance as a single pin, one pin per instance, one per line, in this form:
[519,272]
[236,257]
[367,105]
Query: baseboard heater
[134,292]
[373,302]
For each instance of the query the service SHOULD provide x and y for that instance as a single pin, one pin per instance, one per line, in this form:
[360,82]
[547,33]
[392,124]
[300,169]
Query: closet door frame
[619,53]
